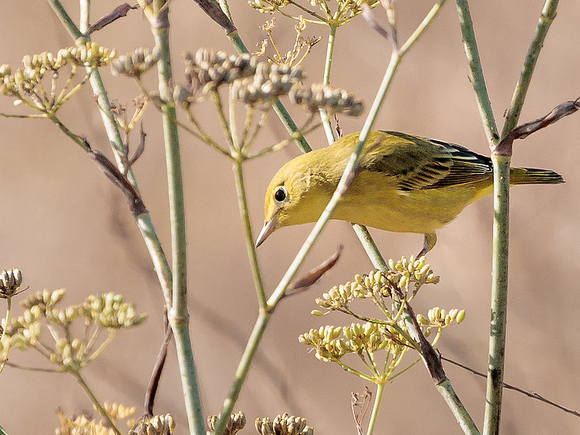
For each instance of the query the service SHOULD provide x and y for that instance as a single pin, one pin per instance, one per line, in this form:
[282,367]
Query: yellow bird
[404,183]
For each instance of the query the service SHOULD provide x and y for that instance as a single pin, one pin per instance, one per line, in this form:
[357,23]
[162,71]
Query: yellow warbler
[403,183]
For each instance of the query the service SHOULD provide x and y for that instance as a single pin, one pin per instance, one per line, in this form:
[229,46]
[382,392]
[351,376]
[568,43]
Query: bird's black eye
[280,194]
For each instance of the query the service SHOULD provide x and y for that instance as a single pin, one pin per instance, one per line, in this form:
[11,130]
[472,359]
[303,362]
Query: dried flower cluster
[26,84]
[135,63]
[97,313]
[235,423]
[319,96]
[10,282]
[210,69]
[154,425]
[267,83]
[259,83]
[300,49]
[283,425]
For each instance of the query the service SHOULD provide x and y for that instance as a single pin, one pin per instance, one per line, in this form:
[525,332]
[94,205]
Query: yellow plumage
[404,183]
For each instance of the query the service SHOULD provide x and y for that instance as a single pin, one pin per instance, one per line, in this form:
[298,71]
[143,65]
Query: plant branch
[376,407]
[97,404]
[546,18]
[178,314]
[250,245]
[326,80]
[144,219]
[476,72]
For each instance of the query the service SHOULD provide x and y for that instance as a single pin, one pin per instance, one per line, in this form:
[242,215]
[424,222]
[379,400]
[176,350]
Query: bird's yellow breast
[372,201]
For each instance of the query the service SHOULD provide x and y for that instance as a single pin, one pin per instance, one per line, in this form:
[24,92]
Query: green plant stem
[476,72]
[65,19]
[96,403]
[459,411]
[376,407]
[250,245]
[326,80]
[433,12]
[370,247]
[143,220]
[178,314]
[85,15]
[2,431]
[242,370]
[546,18]
[501,166]
[499,288]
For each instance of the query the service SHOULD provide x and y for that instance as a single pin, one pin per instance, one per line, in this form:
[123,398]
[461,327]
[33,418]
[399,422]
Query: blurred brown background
[64,225]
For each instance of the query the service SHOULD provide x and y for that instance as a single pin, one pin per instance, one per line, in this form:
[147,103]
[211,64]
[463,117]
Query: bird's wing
[419,163]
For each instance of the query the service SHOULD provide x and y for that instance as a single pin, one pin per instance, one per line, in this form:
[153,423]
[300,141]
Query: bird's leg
[428,244]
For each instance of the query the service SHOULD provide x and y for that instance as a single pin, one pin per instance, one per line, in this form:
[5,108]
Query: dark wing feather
[420,163]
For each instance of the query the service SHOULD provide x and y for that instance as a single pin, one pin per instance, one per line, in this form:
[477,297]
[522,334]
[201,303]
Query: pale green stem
[354,371]
[376,407]
[409,367]
[178,314]
[97,404]
[226,126]
[90,341]
[65,19]
[67,131]
[242,370]
[422,27]
[501,166]
[370,247]
[85,14]
[459,411]
[476,72]
[144,223]
[291,126]
[546,18]
[326,80]
[499,288]
[322,20]
[2,431]
[103,346]
[250,244]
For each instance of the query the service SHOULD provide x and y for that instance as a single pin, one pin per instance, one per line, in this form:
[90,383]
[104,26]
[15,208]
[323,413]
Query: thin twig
[119,12]
[531,394]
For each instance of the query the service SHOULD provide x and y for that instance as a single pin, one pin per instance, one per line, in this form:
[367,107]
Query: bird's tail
[534,176]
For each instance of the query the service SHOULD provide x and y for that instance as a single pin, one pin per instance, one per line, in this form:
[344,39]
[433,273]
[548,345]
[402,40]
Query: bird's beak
[267,229]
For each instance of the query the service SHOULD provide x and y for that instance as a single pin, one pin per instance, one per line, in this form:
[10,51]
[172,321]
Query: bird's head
[296,195]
